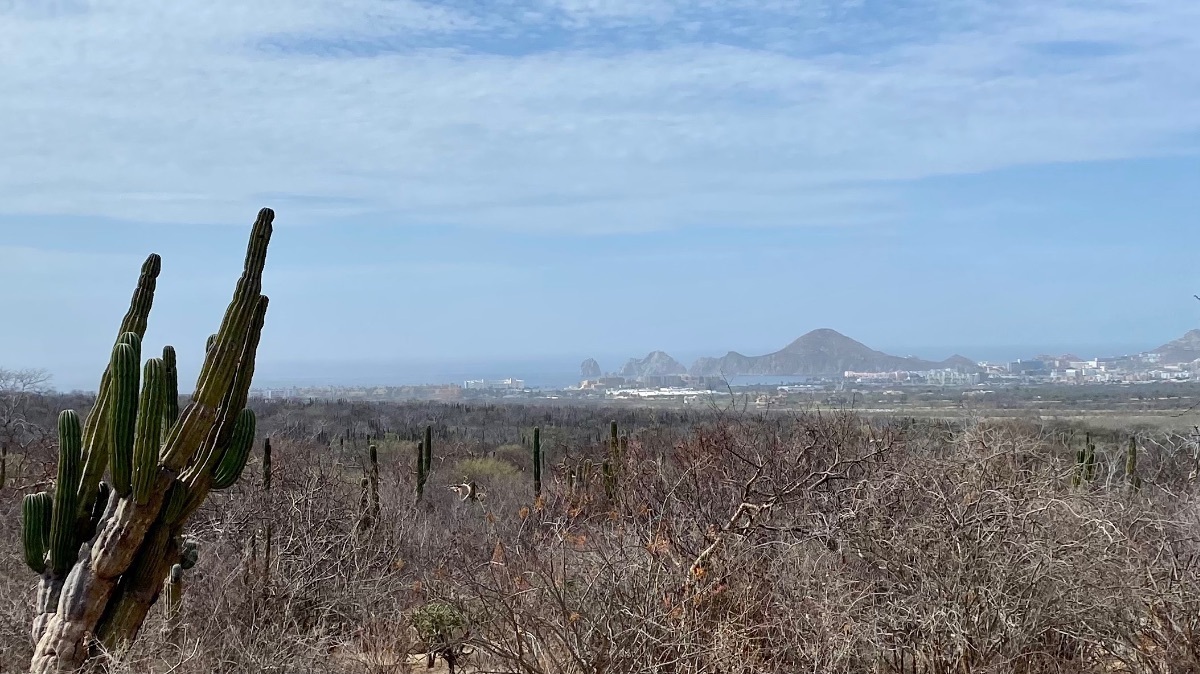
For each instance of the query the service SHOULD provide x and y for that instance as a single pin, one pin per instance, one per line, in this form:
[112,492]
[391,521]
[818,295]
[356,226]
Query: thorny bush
[739,543]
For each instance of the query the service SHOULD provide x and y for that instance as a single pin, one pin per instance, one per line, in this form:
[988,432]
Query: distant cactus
[266,465]
[428,457]
[1085,462]
[610,479]
[1131,474]
[163,463]
[581,476]
[422,472]
[537,462]
[1090,461]
[373,479]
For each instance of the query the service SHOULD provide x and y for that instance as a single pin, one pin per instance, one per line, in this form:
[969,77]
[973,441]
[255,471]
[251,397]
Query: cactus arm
[64,546]
[175,502]
[233,460]
[228,403]
[36,512]
[171,390]
[122,424]
[95,430]
[148,432]
[88,529]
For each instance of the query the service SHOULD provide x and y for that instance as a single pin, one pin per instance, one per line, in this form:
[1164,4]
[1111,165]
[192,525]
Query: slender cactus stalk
[266,465]
[428,449]
[421,474]
[537,462]
[1131,457]
[373,478]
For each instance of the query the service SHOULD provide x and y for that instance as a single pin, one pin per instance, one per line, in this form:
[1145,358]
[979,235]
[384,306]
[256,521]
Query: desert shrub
[518,456]
[485,469]
[729,542]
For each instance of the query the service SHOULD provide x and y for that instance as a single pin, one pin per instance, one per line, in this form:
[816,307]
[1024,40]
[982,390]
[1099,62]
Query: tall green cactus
[537,462]
[162,461]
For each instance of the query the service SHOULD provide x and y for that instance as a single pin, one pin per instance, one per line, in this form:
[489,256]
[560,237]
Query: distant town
[1067,370]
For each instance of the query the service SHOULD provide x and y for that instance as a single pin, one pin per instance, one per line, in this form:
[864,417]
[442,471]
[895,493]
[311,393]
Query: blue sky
[557,179]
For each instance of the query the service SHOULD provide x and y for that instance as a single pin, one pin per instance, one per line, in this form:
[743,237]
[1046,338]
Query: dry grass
[806,544]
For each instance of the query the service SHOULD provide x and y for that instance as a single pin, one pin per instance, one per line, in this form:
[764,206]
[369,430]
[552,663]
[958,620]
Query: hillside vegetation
[711,542]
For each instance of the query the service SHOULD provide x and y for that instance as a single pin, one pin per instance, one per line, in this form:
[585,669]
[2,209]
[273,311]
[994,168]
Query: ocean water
[537,374]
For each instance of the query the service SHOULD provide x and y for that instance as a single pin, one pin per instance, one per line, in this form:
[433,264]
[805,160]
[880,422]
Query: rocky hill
[822,352]
[1183,350]
[655,364]
[590,369]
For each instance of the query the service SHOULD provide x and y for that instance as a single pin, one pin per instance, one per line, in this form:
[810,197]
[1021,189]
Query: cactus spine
[162,461]
[537,462]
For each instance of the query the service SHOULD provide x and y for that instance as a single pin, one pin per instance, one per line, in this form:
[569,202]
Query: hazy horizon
[497,181]
[549,371]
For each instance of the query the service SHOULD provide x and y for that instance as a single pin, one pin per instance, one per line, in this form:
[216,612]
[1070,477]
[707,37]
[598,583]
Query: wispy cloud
[569,115]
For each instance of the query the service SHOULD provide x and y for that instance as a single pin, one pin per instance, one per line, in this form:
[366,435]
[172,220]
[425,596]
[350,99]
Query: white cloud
[173,112]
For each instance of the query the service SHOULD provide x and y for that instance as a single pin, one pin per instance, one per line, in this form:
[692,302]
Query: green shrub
[485,469]
[438,623]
